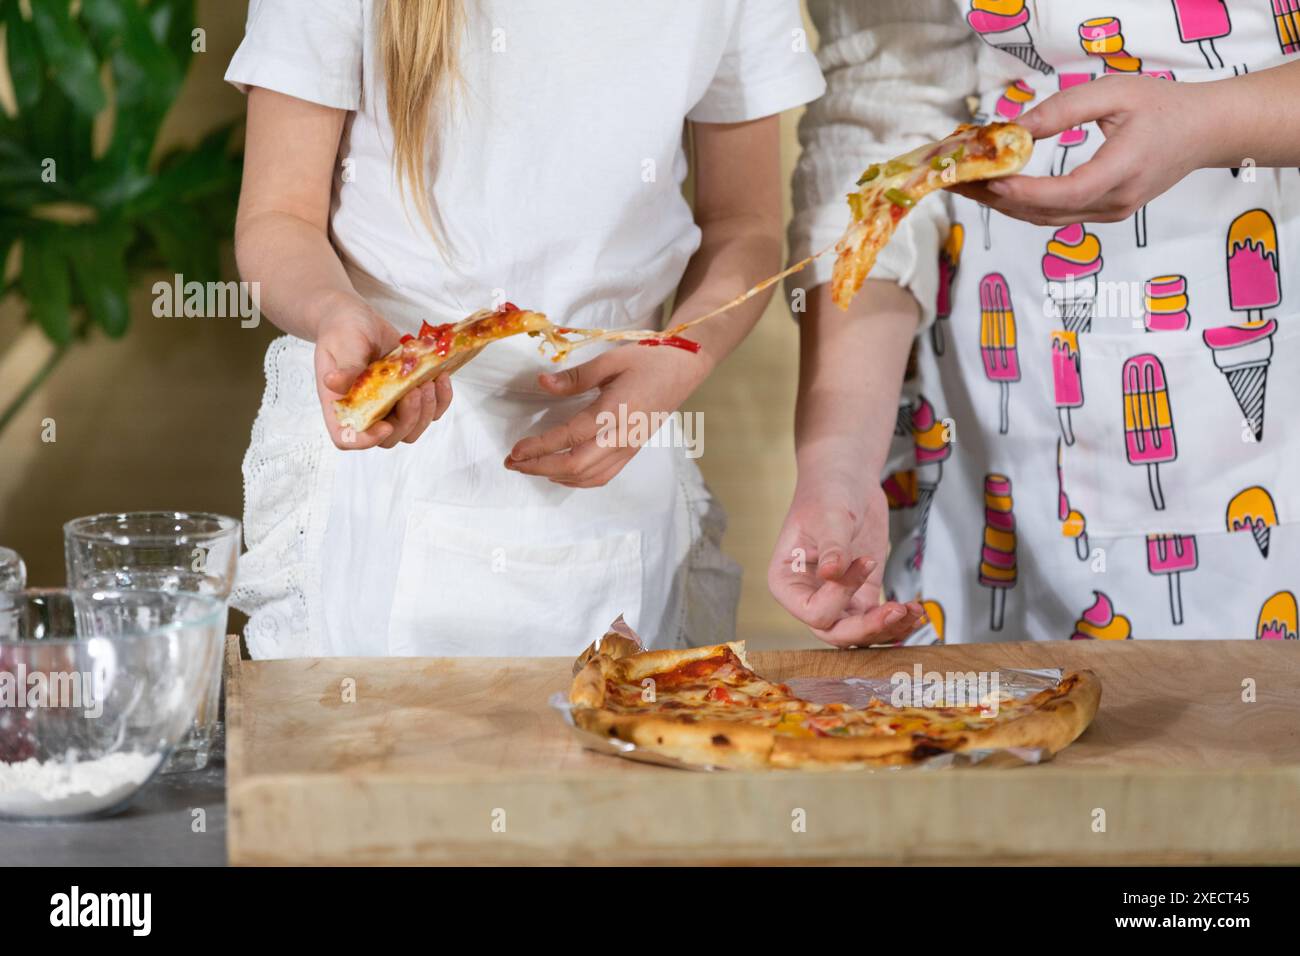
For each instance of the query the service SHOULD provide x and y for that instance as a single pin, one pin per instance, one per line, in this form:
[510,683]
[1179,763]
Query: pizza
[886,193]
[418,359]
[442,349]
[889,191]
[706,707]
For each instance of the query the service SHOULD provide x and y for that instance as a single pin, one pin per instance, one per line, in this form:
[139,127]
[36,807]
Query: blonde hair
[419,41]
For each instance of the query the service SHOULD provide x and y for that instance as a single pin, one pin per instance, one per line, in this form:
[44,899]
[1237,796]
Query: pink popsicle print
[1172,554]
[1073,523]
[1148,420]
[1286,15]
[1075,135]
[1254,277]
[1202,22]
[1066,379]
[998,341]
[998,569]
[949,263]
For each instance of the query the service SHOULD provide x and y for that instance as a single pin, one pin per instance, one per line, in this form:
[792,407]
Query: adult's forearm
[1254,117]
[851,371]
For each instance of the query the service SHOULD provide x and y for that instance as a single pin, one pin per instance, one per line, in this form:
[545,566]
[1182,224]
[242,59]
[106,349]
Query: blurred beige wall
[161,419]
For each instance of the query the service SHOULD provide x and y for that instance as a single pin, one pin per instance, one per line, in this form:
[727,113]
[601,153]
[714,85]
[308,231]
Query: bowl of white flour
[96,688]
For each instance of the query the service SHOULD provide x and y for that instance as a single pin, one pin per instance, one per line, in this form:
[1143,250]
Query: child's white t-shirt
[559,167]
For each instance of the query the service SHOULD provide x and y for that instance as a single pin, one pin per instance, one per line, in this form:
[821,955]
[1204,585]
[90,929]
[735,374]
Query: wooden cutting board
[461,760]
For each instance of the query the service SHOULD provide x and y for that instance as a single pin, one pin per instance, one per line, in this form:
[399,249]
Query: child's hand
[1157,131]
[645,381]
[349,338]
[828,564]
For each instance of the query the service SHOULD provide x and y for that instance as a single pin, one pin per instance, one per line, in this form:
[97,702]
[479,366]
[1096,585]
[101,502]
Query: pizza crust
[706,743]
[1061,714]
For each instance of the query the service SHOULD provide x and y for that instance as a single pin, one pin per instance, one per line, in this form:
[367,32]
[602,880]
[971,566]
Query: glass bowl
[96,688]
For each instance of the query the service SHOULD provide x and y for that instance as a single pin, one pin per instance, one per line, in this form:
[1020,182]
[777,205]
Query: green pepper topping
[900,198]
[940,163]
[896,168]
[872,172]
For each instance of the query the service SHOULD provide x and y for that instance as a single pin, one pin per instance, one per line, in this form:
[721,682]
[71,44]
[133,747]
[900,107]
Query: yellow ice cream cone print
[1253,510]
[1278,618]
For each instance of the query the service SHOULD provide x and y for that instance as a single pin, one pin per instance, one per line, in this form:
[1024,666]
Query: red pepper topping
[509,307]
[675,341]
[406,338]
[442,336]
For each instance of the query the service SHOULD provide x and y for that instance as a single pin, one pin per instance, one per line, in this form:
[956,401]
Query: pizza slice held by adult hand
[889,191]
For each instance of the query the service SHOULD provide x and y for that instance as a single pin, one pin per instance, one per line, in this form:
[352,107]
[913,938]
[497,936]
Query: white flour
[34,788]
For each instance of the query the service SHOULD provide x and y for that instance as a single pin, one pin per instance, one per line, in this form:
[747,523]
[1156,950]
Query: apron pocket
[1180,432]
[462,593]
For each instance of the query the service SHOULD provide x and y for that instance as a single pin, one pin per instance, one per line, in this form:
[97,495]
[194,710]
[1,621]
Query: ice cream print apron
[1103,419]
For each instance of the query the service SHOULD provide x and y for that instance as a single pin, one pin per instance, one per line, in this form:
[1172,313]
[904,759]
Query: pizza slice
[439,349]
[707,707]
[421,358]
[889,191]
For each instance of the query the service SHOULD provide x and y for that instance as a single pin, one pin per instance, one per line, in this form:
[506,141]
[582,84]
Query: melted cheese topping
[722,688]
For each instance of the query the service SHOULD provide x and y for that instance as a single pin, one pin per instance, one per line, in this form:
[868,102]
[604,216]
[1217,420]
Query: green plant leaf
[146,79]
[185,242]
[188,175]
[45,284]
[25,67]
[172,22]
[177,212]
[99,268]
[57,131]
[145,72]
[20,178]
[68,51]
[111,190]
[104,19]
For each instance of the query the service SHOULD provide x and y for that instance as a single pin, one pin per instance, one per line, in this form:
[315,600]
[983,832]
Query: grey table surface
[159,828]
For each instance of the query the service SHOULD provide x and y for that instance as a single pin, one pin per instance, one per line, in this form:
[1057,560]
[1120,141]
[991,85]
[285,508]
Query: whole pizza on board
[706,707]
